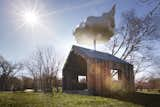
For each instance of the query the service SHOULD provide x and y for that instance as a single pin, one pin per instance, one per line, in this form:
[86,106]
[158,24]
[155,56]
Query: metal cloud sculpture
[96,29]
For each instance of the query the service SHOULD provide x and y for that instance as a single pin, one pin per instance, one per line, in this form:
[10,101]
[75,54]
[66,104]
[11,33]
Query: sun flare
[31,18]
[28,15]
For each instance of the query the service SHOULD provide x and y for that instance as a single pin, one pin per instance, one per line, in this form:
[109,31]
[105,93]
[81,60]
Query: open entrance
[82,82]
[116,80]
[82,79]
[116,75]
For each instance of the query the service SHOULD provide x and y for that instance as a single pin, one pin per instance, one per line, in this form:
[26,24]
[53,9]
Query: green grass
[151,91]
[20,99]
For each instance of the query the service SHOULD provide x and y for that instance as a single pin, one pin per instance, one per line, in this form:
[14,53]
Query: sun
[31,18]
[29,15]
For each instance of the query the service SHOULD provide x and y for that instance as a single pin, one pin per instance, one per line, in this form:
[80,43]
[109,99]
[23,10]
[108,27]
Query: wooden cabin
[101,73]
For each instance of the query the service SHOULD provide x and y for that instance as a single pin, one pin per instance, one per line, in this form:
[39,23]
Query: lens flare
[28,14]
[31,18]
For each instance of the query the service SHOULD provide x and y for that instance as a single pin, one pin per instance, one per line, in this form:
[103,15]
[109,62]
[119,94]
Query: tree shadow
[147,100]
[144,99]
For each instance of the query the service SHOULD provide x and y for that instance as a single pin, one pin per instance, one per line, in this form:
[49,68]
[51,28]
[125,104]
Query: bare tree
[132,37]
[7,72]
[44,67]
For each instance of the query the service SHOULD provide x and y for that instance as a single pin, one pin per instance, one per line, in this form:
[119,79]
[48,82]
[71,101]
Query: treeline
[151,83]
[21,84]
[7,74]
[42,66]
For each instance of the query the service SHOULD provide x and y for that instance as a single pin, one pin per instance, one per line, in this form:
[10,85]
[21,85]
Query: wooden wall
[74,67]
[99,80]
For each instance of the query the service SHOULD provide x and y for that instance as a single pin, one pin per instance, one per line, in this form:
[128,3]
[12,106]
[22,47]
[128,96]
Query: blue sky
[62,16]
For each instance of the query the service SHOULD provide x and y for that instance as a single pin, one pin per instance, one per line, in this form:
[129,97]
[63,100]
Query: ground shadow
[147,100]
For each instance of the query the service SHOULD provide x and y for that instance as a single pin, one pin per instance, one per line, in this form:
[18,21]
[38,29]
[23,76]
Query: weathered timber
[97,66]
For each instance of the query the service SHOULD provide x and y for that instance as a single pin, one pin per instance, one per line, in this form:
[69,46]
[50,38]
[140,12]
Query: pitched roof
[93,54]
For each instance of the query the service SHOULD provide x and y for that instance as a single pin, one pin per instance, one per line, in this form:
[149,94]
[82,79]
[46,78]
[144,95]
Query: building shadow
[147,100]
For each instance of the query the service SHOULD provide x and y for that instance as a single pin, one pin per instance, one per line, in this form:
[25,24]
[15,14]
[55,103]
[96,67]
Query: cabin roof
[93,54]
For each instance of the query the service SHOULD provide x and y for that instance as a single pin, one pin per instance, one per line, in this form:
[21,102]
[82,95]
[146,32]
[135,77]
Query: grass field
[153,91]
[21,99]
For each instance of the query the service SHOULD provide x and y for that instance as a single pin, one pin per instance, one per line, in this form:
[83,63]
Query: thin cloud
[88,4]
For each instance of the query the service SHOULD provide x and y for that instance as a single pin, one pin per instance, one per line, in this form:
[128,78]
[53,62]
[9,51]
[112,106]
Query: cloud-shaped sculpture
[99,28]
